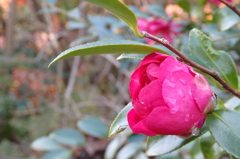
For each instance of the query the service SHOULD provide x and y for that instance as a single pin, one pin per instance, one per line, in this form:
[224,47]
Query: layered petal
[169,65]
[138,125]
[201,91]
[149,98]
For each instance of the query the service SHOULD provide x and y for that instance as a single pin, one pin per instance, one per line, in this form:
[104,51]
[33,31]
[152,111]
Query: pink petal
[149,97]
[201,91]
[176,91]
[134,88]
[153,71]
[162,121]
[138,125]
[169,65]
[150,59]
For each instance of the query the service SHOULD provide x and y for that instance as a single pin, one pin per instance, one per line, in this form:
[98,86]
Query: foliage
[35,101]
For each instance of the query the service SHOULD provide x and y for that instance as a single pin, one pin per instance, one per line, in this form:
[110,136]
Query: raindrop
[195,131]
[174,110]
[181,94]
[192,116]
[142,102]
[170,84]
[183,81]
[187,118]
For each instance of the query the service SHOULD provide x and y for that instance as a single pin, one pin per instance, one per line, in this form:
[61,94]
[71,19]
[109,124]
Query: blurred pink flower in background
[159,27]
[217,2]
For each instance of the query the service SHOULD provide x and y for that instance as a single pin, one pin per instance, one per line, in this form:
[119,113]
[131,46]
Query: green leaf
[121,11]
[209,147]
[45,144]
[58,154]
[93,127]
[237,108]
[195,150]
[226,18]
[232,102]
[114,146]
[120,122]
[108,47]
[185,5]
[131,56]
[225,129]
[220,104]
[205,55]
[159,145]
[69,137]
[129,150]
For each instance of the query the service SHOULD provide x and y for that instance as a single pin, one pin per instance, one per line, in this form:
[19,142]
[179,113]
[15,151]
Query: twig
[213,73]
[231,6]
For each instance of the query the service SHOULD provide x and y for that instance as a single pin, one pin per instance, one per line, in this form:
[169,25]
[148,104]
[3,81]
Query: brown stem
[231,6]
[213,73]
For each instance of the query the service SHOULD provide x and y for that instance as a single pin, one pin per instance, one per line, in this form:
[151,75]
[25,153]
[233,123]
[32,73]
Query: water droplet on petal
[187,118]
[181,94]
[195,131]
[168,83]
[192,117]
[174,110]
[183,81]
[142,102]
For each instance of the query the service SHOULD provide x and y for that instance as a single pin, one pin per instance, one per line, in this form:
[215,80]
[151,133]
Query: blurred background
[62,101]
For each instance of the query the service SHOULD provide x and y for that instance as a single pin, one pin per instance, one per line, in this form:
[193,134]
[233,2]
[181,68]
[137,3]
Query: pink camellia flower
[217,2]
[168,98]
[159,27]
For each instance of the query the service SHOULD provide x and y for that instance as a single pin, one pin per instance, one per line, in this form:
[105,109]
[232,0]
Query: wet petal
[176,91]
[169,65]
[201,91]
[138,125]
[149,97]
[163,122]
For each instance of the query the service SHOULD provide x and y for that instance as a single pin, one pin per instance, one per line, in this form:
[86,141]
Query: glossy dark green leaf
[93,127]
[225,128]
[204,54]
[132,56]
[226,18]
[58,154]
[120,122]
[68,136]
[185,5]
[45,144]
[108,47]
[159,145]
[121,11]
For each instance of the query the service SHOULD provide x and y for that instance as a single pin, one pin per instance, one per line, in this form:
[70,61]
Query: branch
[165,43]
[231,6]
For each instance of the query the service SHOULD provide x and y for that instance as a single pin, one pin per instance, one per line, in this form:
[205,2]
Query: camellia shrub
[173,102]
